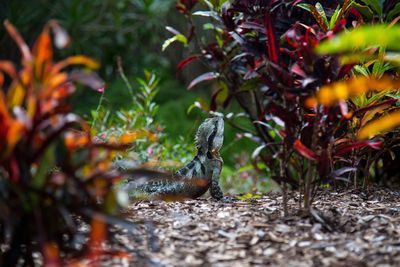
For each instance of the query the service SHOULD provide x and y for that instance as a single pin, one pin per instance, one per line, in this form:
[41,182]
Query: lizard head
[210,135]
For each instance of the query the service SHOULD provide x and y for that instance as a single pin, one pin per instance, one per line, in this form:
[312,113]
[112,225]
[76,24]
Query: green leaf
[375,5]
[249,85]
[223,93]
[209,14]
[363,37]
[334,18]
[394,12]
[45,165]
[362,70]
[209,4]
[378,69]
[305,6]
[179,37]
[364,10]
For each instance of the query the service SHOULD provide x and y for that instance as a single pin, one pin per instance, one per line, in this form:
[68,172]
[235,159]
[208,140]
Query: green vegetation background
[133,30]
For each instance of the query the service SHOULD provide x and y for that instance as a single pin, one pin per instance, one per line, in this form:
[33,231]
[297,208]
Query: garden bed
[347,228]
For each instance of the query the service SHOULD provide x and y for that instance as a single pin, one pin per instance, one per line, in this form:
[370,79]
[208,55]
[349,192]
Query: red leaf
[304,151]
[345,70]
[16,36]
[182,64]
[342,149]
[204,77]
[296,69]
[271,42]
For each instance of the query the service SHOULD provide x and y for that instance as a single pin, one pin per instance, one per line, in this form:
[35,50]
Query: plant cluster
[51,169]
[312,111]
[151,147]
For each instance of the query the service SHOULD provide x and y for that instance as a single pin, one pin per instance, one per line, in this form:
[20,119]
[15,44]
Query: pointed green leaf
[305,6]
[394,12]
[334,18]
[375,5]
[363,37]
[179,37]
[364,10]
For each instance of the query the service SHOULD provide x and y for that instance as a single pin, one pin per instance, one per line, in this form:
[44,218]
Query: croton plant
[317,84]
[53,174]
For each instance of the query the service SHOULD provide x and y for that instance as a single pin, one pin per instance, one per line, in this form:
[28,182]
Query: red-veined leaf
[182,64]
[304,151]
[343,149]
[387,103]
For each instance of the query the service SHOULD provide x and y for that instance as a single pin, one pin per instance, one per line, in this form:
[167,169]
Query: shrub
[51,169]
[263,56]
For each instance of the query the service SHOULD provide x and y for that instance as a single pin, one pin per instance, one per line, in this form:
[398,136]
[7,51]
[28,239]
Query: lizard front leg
[215,189]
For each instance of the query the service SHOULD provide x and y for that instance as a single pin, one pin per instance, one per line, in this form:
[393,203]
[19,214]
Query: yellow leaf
[330,94]
[381,125]
[16,95]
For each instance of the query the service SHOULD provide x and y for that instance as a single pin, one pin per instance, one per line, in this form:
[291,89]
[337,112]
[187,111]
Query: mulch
[346,228]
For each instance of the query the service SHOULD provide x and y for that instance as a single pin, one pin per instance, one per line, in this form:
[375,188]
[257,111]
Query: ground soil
[345,228]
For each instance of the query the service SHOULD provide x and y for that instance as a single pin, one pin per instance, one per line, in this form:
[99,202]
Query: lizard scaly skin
[199,175]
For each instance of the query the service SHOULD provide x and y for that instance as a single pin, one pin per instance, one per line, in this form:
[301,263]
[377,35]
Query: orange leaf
[43,53]
[53,83]
[75,60]
[75,140]
[132,136]
[10,131]
[51,254]
[330,94]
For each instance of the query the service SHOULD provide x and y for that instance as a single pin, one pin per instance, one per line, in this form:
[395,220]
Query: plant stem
[123,76]
[97,111]
[284,187]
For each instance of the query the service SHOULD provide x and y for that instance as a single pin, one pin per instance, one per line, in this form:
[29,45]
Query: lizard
[199,175]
